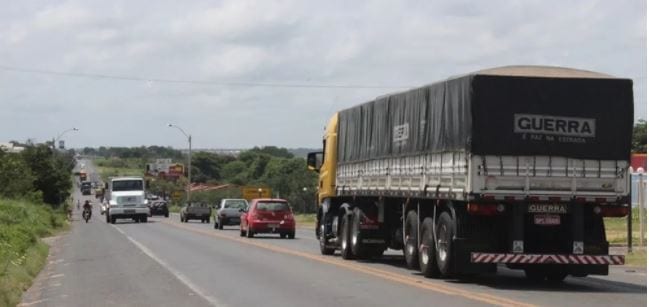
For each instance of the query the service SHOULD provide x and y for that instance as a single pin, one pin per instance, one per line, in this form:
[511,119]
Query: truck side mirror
[314,161]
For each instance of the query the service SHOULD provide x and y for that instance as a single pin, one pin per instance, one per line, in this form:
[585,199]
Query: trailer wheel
[358,248]
[556,276]
[345,246]
[427,252]
[534,274]
[324,249]
[410,251]
[444,254]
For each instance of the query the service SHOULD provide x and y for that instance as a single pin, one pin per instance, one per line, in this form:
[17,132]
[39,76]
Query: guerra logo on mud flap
[554,125]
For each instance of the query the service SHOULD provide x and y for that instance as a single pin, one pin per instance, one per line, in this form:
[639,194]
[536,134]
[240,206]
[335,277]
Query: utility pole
[189,161]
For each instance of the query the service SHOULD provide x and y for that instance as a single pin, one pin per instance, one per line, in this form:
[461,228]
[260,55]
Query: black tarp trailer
[517,165]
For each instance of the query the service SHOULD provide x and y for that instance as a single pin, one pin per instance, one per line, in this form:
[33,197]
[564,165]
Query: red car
[268,215]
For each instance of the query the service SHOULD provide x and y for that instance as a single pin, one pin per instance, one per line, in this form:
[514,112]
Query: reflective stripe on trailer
[546,258]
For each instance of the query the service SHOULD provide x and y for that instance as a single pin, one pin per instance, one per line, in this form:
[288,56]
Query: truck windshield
[128,185]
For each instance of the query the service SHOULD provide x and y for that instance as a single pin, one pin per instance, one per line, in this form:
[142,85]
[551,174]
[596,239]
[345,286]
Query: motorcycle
[86,214]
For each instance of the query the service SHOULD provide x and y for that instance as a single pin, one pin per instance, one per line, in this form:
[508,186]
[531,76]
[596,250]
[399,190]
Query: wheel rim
[442,243]
[344,238]
[322,236]
[424,254]
[410,248]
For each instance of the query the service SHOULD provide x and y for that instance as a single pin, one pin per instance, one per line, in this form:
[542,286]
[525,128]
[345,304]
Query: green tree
[16,178]
[52,172]
[205,166]
[235,172]
[639,143]
[273,151]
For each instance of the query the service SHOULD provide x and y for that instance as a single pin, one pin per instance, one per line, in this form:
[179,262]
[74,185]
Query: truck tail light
[611,211]
[485,209]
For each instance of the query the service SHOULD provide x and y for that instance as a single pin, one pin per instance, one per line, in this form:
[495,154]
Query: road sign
[177,195]
[256,192]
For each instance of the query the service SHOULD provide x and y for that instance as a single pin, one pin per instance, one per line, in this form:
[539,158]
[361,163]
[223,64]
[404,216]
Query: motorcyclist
[87,206]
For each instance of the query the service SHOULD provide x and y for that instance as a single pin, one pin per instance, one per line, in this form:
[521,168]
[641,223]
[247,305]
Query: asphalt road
[168,263]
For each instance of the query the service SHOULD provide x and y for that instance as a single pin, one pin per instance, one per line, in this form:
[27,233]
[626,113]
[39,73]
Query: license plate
[129,211]
[273,225]
[547,219]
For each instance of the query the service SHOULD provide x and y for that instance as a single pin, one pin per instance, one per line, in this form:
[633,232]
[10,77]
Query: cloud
[388,43]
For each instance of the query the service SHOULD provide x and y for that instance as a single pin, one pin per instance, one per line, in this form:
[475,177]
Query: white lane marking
[56,276]
[212,300]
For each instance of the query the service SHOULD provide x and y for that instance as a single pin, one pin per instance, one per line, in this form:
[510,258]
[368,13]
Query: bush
[22,255]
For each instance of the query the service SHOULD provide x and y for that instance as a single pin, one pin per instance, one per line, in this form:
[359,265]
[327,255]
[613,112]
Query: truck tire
[358,248]
[324,249]
[427,252]
[556,276]
[534,274]
[145,219]
[410,249]
[444,254]
[345,244]
[113,220]
[291,235]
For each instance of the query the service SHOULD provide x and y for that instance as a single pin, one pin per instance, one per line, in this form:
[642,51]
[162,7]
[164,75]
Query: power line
[194,82]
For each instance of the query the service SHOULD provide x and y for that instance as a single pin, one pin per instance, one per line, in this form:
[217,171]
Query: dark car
[86,188]
[159,208]
[268,216]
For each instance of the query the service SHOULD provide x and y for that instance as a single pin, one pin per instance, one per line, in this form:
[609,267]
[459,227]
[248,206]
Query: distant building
[11,148]
[165,168]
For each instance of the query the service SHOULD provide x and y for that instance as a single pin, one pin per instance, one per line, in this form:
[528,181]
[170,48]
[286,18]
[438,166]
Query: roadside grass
[113,167]
[637,258]
[107,171]
[616,234]
[616,229]
[305,220]
[22,254]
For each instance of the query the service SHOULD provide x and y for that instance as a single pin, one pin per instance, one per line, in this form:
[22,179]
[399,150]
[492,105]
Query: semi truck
[125,197]
[513,166]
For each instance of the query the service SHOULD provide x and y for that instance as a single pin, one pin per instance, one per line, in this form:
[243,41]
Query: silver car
[229,211]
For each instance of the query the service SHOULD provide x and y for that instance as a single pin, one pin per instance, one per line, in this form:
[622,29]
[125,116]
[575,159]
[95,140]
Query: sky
[237,74]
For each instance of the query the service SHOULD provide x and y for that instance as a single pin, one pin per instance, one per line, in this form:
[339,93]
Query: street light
[61,134]
[189,160]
